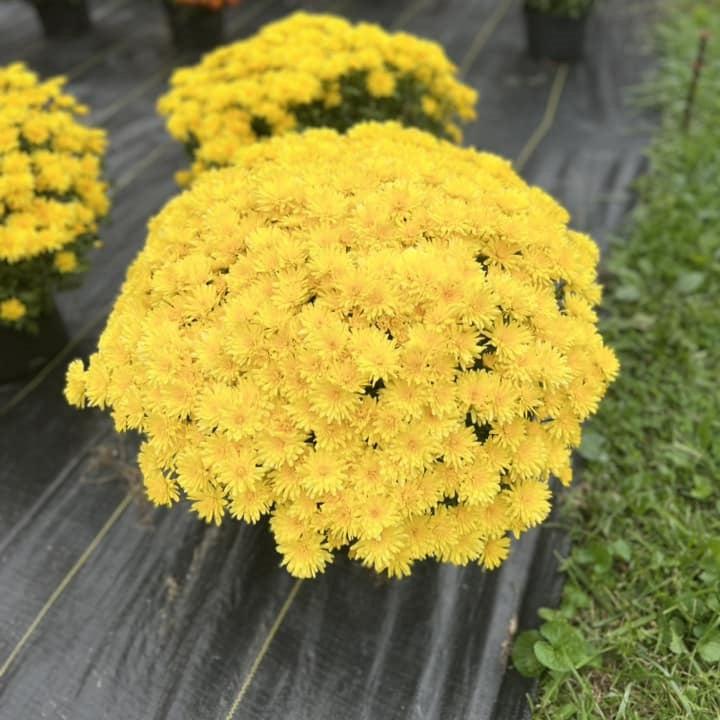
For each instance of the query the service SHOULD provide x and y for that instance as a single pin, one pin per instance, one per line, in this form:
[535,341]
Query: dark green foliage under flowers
[34,281]
[358,105]
[637,635]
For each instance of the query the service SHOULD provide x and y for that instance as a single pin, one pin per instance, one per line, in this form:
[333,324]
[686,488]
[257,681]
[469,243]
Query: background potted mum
[384,342]
[63,18]
[556,28]
[311,71]
[51,199]
[196,24]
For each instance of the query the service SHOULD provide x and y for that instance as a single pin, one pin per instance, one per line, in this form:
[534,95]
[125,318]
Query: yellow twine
[65,582]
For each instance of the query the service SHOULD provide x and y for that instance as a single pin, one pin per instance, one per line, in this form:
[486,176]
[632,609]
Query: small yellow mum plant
[383,341]
[51,194]
[311,71]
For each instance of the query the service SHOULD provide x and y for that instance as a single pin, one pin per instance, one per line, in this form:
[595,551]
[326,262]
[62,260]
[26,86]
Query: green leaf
[551,658]
[677,645]
[523,654]
[593,446]
[628,293]
[597,555]
[569,645]
[641,321]
[621,549]
[702,488]
[709,648]
[556,632]
[549,614]
[575,598]
[567,711]
[713,549]
[689,282]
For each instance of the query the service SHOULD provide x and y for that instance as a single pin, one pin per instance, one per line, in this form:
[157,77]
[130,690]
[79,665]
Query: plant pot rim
[556,16]
[64,19]
[194,27]
[556,38]
[24,353]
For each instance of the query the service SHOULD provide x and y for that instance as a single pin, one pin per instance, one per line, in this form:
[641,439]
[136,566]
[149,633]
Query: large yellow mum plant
[311,71]
[381,340]
[51,192]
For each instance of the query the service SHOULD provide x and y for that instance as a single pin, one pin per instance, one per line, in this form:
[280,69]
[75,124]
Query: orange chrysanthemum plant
[383,341]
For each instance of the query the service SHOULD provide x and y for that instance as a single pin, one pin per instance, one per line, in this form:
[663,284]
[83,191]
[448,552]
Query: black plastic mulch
[111,609]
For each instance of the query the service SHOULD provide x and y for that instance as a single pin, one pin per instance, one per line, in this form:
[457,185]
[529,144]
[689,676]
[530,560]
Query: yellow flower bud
[12,310]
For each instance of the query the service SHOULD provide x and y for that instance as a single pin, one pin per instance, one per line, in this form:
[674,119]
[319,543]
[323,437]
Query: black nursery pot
[554,37]
[24,353]
[63,18]
[194,28]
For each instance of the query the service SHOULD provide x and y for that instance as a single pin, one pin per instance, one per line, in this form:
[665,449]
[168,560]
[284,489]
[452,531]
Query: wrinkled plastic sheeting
[142,613]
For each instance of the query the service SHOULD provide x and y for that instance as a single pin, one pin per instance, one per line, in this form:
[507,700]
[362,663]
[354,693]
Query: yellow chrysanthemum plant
[385,342]
[311,71]
[51,194]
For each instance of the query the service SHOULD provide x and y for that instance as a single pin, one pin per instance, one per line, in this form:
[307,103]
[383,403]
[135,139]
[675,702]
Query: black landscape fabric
[112,609]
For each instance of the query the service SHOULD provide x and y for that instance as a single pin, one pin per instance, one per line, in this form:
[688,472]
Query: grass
[637,635]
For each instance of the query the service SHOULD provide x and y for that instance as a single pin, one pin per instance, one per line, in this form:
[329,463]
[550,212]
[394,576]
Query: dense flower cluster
[311,71]
[383,340]
[51,195]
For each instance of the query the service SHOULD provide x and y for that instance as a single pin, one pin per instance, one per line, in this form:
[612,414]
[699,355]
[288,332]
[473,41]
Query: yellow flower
[160,488]
[479,485]
[12,309]
[322,473]
[381,552]
[287,350]
[208,503]
[453,132]
[430,106]
[75,383]
[381,83]
[66,261]
[494,552]
[250,504]
[306,555]
[529,502]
